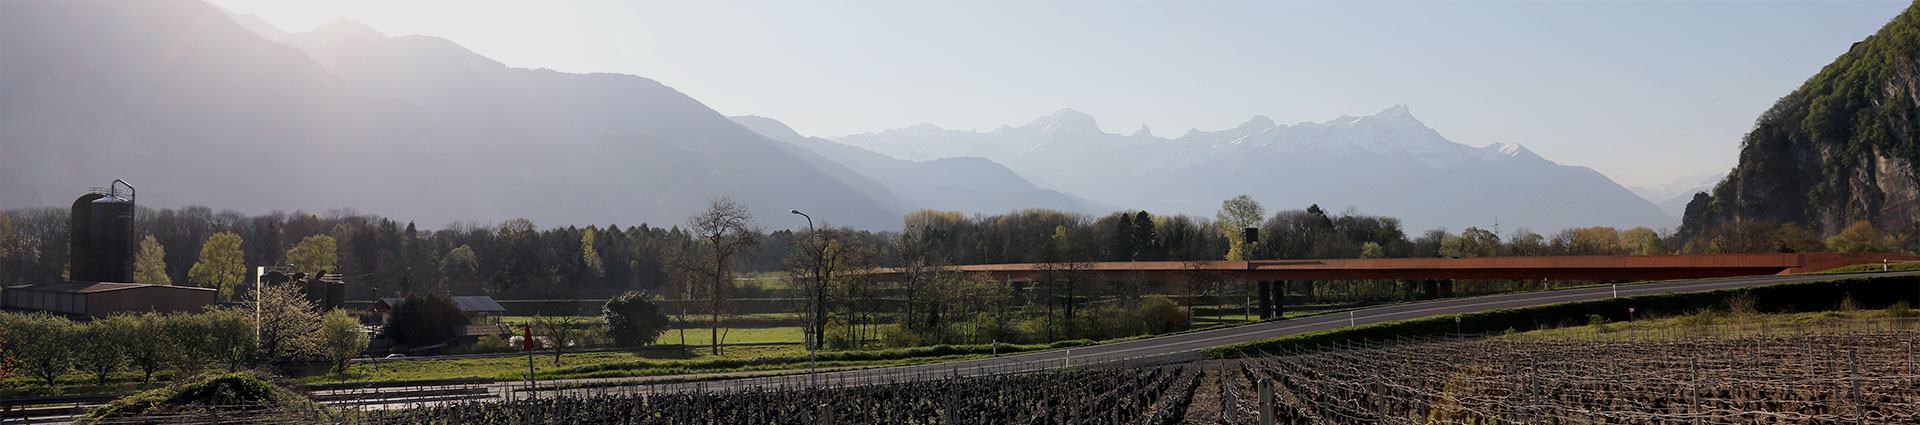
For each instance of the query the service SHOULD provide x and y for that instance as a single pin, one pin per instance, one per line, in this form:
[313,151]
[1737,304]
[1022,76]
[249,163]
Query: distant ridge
[964,184]
[1385,163]
[202,107]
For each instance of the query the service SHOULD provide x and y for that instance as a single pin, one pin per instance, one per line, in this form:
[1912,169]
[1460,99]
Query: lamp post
[819,299]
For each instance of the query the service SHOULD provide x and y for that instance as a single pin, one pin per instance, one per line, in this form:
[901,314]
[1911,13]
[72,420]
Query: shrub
[1848,303]
[1701,317]
[341,338]
[1162,315]
[40,344]
[491,344]
[230,336]
[423,320]
[100,347]
[634,319]
[1597,320]
[1743,304]
[153,348]
[1900,309]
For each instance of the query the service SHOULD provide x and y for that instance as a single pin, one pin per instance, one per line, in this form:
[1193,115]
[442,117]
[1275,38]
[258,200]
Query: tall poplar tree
[150,265]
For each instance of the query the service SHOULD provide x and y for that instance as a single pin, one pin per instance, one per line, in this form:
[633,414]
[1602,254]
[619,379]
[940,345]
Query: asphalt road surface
[1185,347]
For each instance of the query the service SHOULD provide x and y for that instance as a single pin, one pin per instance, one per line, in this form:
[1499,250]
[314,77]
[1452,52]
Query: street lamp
[819,299]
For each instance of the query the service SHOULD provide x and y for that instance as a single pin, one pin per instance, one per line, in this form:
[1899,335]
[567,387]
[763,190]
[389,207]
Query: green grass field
[702,336]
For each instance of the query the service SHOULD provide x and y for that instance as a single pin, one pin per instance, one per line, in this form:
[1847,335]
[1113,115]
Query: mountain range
[1386,163]
[968,184]
[201,107]
[194,107]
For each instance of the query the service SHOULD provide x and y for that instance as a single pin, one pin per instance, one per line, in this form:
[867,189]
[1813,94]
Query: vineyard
[1853,378]
[1857,375]
[1156,395]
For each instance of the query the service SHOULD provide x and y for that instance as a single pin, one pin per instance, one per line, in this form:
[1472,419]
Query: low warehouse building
[95,299]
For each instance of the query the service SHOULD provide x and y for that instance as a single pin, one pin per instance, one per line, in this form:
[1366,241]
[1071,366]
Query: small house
[479,309]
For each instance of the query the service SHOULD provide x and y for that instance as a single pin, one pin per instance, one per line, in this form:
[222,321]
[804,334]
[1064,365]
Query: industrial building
[102,298]
[101,250]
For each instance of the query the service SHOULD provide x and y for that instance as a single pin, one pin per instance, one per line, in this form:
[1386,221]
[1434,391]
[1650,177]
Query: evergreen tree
[1145,239]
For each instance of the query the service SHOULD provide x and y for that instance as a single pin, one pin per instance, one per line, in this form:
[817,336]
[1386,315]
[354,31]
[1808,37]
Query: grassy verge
[1729,322]
[1870,268]
[1870,292]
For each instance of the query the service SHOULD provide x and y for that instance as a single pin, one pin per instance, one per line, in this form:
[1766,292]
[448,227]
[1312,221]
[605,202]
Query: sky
[1645,92]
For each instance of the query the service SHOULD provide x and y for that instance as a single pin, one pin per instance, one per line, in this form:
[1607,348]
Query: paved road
[1184,347]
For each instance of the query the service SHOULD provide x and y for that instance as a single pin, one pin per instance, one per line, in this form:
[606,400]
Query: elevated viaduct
[1436,274]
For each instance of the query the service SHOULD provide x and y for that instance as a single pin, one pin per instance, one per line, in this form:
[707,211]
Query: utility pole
[819,301]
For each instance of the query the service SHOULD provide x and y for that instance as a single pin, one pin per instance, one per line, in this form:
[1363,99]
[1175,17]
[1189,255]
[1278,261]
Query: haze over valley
[422,128]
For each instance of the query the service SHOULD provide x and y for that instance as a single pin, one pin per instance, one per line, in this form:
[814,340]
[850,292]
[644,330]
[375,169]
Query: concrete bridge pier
[1272,298]
[1438,288]
[1265,300]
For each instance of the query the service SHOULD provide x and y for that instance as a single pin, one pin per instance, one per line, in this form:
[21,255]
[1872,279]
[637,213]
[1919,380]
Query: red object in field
[526,343]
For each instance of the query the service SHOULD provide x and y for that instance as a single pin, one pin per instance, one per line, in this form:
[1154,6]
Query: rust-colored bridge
[1592,267]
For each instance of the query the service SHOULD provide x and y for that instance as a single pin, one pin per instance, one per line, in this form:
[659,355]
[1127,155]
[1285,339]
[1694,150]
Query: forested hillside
[1838,150]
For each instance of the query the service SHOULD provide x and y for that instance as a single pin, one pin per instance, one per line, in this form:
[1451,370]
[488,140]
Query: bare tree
[1193,275]
[726,233]
[833,253]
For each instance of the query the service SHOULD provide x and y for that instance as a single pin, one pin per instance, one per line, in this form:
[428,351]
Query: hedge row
[1870,292]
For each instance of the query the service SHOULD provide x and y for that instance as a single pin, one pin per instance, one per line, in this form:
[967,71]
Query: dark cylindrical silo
[80,239]
[112,245]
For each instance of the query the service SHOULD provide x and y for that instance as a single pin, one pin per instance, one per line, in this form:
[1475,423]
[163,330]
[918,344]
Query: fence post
[1695,410]
[1853,374]
[1226,399]
[1266,401]
[946,408]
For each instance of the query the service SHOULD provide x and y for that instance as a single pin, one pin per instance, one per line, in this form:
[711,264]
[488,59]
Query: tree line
[517,259]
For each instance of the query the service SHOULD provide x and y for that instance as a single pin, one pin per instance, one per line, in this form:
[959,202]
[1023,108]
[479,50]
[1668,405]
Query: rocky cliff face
[1839,149]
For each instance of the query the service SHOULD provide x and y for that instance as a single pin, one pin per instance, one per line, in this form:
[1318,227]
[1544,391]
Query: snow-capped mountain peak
[1065,120]
[1396,117]
[1506,152]
[1258,122]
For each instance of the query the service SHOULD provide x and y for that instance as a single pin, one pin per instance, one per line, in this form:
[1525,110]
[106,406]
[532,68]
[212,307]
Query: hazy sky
[1645,92]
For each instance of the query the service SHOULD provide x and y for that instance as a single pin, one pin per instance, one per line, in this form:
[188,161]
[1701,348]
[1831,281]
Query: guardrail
[25,409]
